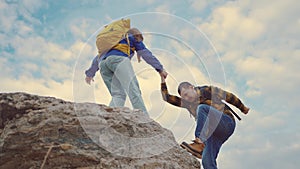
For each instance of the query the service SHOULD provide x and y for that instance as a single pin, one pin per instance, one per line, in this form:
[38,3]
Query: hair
[138,36]
[183,85]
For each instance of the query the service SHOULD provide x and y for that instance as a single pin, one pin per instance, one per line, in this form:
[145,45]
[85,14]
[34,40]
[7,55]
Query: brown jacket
[209,95]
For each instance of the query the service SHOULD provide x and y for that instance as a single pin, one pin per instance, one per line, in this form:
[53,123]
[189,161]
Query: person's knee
[203,107]
[119,95]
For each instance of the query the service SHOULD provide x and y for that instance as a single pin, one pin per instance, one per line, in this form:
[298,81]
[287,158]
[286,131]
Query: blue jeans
[213,128]
[119,77]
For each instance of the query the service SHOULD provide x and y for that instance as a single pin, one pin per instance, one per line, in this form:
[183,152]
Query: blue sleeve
[147,55]
[93,69]
[150,59]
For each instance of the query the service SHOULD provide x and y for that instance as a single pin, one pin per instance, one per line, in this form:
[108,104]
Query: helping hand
[139,58]
[163,74]
[89,79]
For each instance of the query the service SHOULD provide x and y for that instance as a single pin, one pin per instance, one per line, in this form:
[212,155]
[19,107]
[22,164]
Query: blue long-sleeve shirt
[140,49]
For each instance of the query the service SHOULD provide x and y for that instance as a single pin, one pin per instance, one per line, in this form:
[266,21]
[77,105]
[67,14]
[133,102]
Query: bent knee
[119,95]
[203,107]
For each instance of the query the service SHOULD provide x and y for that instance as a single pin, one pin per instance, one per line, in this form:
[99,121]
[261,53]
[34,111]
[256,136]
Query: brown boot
[195,148]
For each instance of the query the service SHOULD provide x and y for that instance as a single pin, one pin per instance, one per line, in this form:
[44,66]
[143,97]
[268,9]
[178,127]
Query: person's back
[117,72]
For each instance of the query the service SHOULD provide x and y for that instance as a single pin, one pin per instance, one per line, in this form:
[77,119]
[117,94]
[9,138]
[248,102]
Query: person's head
[138,36]
[187,92]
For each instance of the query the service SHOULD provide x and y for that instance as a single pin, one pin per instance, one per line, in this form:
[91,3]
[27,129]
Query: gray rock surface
[45,132]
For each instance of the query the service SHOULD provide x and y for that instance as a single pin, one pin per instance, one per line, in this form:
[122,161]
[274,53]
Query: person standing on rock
[117,71]
[215,120]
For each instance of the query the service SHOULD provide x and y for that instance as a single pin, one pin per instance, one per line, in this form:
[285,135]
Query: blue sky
[250,48]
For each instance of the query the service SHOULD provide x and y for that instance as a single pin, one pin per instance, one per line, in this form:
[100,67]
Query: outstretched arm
[174,100]
[230,98]
[90,73]
[146,54]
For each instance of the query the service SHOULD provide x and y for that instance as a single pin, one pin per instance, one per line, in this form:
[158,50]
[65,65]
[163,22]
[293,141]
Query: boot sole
[195,153]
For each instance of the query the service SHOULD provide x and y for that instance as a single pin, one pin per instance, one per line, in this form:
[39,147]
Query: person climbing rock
[214,118]
[115,66]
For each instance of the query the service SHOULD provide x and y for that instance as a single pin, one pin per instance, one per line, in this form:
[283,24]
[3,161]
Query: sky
[250,48]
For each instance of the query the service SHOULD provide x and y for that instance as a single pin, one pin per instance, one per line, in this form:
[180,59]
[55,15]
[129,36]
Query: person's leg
[123,73]
[113,85]
[213,128]
[202,130]
[225,128]
[210,153]
[210,122]
[118,94]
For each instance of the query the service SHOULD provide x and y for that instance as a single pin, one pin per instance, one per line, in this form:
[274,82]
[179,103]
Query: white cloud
[254,90]
[56,52]
[148,2]
[26,11]
[279,11]
[245,34]
[8,15]
[43,67]
[22,29]
[37,86]
[36,47]
[165,8]
[182,50]
[198,6]
[266,74]
[29,67]
[83,28]
[31,47]
[230,25]
[32,5]
[5,69]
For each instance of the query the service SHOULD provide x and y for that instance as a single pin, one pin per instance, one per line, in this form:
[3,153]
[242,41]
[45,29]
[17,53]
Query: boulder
[46,132]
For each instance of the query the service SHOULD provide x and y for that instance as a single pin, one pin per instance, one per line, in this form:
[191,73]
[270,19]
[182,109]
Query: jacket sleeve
[93,68]
[150,59]
[147,55]
[228,97]
[174,100]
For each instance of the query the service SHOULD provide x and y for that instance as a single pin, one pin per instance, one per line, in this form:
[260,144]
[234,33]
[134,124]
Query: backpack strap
[125,48]
[233,112]
[208,101]
[128,42]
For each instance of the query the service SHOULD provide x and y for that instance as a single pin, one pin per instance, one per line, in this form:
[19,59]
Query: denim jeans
[119,77]
[213,128]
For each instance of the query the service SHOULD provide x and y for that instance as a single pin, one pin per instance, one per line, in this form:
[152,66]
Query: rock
[45,132]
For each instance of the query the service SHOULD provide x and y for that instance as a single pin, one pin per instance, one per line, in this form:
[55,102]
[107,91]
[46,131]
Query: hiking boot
[195,148]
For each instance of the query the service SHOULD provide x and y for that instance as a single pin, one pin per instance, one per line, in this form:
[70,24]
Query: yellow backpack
[110,36]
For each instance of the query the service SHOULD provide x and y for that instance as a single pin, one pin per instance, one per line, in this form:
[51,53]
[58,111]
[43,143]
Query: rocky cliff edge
[45,132]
